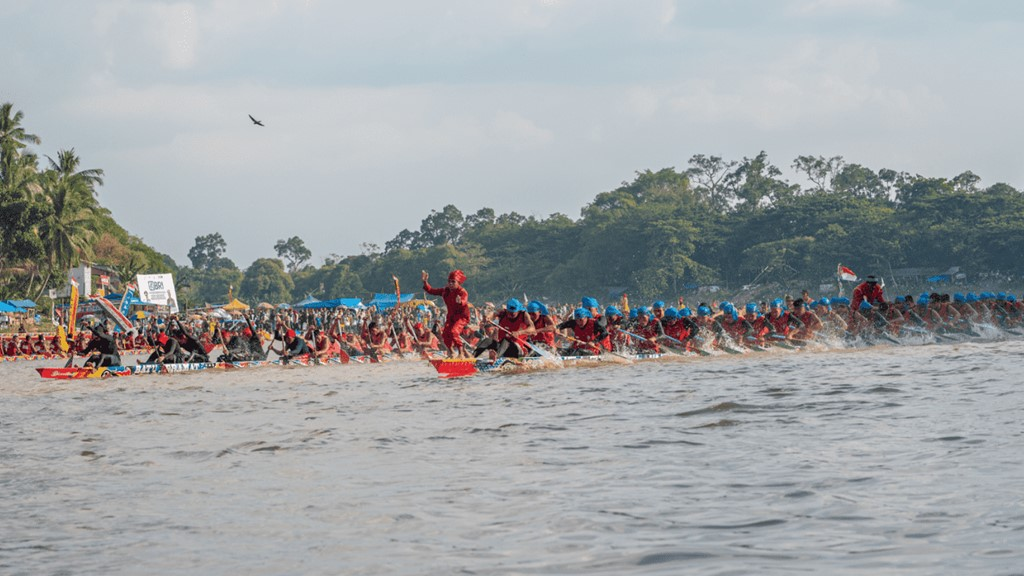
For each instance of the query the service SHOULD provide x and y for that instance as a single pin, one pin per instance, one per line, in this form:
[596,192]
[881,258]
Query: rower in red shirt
[806,321]
[514,325]
[777,319]
[543,324]
[587,339]
[11,347]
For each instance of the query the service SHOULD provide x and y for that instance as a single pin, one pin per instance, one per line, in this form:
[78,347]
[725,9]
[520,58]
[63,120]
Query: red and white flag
[846,274]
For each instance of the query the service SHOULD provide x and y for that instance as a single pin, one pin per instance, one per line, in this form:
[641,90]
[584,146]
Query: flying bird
[255,121]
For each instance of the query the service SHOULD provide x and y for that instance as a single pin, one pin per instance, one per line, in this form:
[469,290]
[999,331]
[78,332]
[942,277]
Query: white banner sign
[158,289]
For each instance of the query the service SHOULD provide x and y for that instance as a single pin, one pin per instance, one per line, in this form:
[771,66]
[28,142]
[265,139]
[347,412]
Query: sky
[376,113]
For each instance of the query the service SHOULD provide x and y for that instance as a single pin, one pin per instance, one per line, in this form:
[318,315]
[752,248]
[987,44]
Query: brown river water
[886,460]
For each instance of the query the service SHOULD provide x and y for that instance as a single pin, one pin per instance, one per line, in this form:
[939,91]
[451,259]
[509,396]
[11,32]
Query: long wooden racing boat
[458,367]
[76,373]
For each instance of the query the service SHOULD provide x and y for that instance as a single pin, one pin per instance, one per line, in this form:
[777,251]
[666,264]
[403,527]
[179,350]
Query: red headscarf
[457,275]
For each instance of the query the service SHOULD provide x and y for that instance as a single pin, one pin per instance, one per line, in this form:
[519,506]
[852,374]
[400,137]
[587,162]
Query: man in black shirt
[104,348]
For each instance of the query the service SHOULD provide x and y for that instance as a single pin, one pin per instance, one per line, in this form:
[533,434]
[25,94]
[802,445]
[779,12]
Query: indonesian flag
[846,274]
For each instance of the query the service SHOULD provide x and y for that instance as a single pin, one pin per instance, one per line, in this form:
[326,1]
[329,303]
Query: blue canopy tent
[305,302]
[387,301]
[335,303]
[6,306]
[22,304]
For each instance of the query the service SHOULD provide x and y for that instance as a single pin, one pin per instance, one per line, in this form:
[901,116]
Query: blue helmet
[612,311]
[514,305]
[1001,296]
[959,298]
[923,300]
[671,313]
[1011,298]
[685,312]
[658,304]
[778,303]
[589,302]
[643,311]
[901,299]
[703,311]
[537,306]
[865,305]
[751,307]
[581,313]
[633,312]
[724,304]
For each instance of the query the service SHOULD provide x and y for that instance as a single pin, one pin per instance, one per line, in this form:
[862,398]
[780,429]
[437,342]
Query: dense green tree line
[51,219]
[726,222]
[729,223]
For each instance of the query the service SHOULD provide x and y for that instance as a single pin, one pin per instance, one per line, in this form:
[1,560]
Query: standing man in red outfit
[867,291]
[456,299]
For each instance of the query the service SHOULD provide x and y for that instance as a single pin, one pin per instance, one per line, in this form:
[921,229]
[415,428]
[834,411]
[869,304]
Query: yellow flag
[62,339]
[72,309]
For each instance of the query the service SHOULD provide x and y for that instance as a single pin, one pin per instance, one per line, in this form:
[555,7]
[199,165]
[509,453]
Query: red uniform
[652,329]
[757,327]
[586,334]
[676,329]
[513,323]
[808,323]
[457,301]
[543,337]
[780,323]
[869,292]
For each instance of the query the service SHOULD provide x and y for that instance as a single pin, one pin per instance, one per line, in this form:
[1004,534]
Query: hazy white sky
[378,112]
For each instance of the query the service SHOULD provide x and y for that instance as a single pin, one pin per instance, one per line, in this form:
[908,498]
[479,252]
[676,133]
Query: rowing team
[518,330]
[180,343]
[49,345]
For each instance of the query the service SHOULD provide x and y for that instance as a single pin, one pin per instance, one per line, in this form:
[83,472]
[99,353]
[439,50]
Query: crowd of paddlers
[518,329]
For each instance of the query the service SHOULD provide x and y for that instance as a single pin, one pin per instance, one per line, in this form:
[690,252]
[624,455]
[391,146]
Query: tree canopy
[664,232]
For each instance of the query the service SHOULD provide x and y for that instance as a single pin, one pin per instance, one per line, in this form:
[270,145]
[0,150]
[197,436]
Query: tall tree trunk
[45,283]
[31,281]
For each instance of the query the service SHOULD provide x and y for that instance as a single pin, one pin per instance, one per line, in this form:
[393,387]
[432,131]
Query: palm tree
[83,182]
[13,139]
[68,225]
[128,269]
